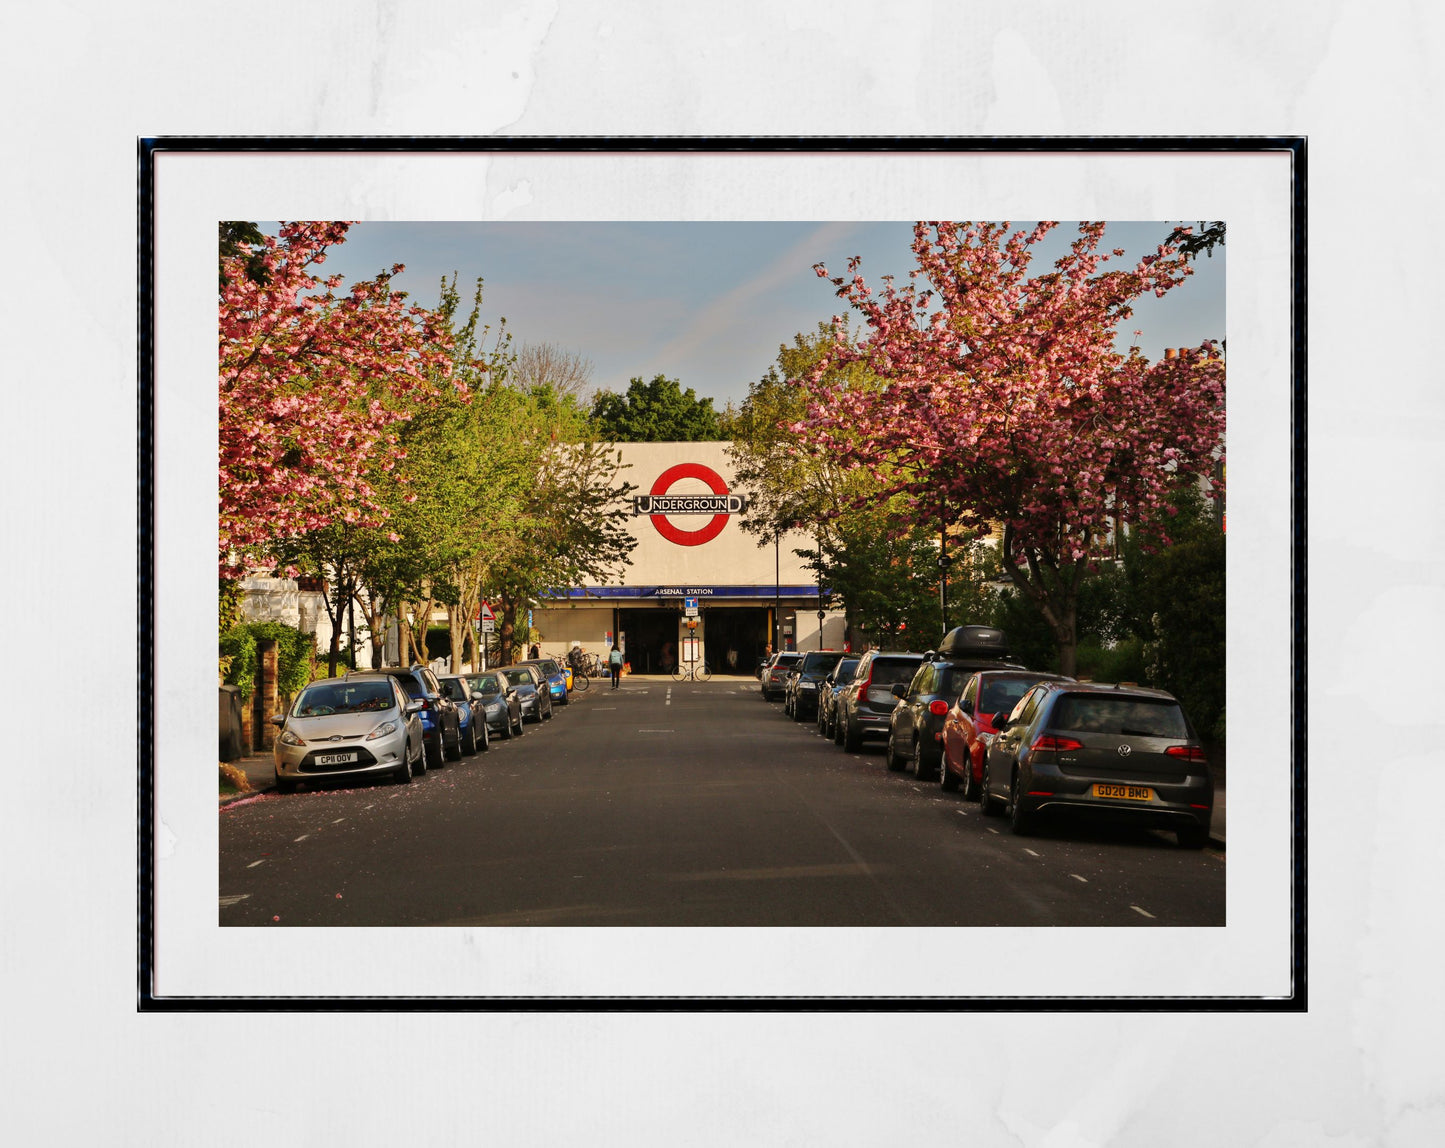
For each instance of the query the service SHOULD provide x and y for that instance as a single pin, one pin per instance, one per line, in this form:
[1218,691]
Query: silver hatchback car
[357,726]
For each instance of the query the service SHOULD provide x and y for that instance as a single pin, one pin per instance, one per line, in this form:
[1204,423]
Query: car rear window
[1120,717]
[890,671]
[813,663]
[1000,695]
[485,685]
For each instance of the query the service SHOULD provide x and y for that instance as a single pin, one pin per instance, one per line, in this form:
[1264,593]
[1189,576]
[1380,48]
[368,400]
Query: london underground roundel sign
[658,504]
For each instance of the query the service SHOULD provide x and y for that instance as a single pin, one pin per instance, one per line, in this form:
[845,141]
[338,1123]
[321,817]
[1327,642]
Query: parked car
[1109,751]
[972,721]
[440,722]
[357,726]
[532,691]
[838,677]
[800,699]
[775,674]
[473,721]
[494,697]
[915,728]
[867,702]
[554,675]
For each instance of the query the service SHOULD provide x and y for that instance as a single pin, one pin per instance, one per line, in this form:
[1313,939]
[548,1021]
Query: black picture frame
[152,148]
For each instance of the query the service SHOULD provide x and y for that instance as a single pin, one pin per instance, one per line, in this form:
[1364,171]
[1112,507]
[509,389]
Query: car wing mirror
[414,706]
[278,720]
[966,706]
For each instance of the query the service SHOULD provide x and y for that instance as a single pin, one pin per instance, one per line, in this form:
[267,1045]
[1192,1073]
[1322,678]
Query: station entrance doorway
[735,637]
[651,639]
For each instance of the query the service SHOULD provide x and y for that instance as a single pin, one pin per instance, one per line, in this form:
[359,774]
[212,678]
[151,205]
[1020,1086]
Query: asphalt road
[666,804]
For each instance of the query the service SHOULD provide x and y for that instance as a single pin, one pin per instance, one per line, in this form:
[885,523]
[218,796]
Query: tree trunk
[403,633]
[333,615]
[456,626]
[1054,594]
[507,636]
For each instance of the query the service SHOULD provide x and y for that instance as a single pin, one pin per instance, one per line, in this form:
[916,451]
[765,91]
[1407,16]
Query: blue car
[440,721]
[473,731]
[555,676]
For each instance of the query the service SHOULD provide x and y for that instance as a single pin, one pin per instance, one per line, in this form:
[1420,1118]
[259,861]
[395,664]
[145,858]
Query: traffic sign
[485,613]
[689,604]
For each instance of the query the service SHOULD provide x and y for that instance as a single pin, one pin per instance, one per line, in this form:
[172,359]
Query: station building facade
[749,592]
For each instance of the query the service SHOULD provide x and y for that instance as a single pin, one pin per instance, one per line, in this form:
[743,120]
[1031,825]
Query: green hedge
[295,651]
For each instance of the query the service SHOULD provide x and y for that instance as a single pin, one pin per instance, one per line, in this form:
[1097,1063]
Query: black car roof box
[974,640]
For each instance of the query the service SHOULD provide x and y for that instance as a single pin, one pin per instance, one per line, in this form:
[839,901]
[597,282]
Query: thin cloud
[724,314]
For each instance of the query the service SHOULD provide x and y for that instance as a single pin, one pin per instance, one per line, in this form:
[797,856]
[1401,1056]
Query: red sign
[485,613]
[664,483]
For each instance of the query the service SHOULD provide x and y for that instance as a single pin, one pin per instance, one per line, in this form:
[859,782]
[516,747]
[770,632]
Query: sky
[708,304]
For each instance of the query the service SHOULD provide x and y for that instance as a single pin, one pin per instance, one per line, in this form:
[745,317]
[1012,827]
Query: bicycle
[691,672]
[580,675]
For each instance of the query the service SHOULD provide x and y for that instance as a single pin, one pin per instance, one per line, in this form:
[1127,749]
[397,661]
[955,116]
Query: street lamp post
[777,594]
[943,563]
[821,611]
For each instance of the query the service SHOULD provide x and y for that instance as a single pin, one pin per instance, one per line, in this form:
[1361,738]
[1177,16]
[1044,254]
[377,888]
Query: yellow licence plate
[1128,792]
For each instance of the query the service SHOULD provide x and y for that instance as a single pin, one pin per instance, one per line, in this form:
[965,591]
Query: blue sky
[708,304]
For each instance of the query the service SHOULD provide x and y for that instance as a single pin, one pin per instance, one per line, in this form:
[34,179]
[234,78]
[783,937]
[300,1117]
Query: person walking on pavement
[614,665]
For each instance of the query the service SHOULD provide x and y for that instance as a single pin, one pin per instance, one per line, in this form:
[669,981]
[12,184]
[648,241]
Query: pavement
[260,767]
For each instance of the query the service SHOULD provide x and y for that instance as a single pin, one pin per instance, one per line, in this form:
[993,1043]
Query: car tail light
[938,707]
[1187,752]
[1057,744]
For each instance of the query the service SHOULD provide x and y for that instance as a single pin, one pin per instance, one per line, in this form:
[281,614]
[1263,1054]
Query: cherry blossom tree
[312,387]
[1002,400]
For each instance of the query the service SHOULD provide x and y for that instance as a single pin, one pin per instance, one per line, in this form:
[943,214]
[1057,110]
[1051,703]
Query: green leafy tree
[295,656]
[888,585]
[1176,593]
[1191,242]
[241,246]
[657,411]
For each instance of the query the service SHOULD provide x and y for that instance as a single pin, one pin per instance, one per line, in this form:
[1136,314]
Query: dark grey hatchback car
[867,702]
[1121,752]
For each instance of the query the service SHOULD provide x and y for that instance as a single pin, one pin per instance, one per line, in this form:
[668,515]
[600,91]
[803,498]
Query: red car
[971,722]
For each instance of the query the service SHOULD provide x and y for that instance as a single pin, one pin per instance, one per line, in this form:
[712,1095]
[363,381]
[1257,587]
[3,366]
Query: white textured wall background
[1366,1066]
